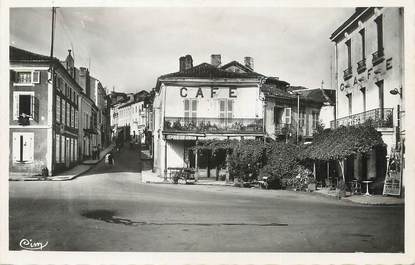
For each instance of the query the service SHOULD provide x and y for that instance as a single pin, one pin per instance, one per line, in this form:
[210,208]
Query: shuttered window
[186,109]
[58,150]
[23,147]
[58,109]
[287,115]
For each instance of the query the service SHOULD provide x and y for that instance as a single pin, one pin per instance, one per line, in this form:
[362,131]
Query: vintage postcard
[196,132]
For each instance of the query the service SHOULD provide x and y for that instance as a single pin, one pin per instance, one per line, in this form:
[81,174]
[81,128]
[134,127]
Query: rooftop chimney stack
[185,62]
[249,62]
[215,60]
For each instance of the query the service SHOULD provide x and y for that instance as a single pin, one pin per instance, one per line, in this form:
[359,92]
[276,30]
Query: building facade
[53,123]
[44,99]
[295,112]
[369,61]
[205,102]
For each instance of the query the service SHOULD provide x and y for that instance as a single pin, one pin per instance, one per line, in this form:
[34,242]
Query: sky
[127,48]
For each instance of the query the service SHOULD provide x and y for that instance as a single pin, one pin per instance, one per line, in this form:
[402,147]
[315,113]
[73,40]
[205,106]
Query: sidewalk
[361,199]
[66,175]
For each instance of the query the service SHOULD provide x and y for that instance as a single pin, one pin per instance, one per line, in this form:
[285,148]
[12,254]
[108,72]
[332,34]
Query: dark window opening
[379,28]
[362,35]
[25,105]
[349,53]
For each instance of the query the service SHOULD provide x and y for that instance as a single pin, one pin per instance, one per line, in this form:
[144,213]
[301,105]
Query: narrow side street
[109,209]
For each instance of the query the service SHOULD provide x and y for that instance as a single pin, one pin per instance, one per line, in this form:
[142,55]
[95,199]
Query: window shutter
[16,106]
[12,76]
[35,103]
[194,108]
[186,108]
[16,147]
[230,109]
[36,77]
[287,115]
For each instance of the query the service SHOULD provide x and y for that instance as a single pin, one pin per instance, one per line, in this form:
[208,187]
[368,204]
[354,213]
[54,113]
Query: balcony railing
[378,56]
[379,118]
[361,66]
[213,125]
[347,73]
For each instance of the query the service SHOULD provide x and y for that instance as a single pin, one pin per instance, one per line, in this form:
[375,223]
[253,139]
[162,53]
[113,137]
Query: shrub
[301,179]
[280,163]
[247,157]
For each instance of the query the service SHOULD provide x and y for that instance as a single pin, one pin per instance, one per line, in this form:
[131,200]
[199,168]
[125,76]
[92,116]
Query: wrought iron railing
[380,118]
[361,66]
[347,73]
[378,56]
[213,125]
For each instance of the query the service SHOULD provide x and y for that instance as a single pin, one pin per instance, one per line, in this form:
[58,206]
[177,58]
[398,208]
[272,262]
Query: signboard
[393,182]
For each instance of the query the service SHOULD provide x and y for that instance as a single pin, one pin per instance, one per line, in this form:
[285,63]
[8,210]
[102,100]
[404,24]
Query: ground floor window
[62,157]
[23,151]
[58,150]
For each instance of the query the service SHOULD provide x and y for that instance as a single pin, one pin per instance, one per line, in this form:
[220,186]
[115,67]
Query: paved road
[109,209]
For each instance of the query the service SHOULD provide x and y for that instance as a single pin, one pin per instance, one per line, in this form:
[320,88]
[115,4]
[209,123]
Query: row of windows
[66,149]
[67,91]
[363,93]
[284,116]
[66,113]
[362,33]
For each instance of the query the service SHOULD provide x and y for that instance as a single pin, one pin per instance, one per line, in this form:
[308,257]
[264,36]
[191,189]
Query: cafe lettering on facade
[201,103]
[369,55]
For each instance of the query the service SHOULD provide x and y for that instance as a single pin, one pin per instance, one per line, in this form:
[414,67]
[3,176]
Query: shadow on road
[109,217]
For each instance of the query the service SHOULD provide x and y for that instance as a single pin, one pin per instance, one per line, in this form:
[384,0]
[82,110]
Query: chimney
[185,62]
[215,60]
[249,62]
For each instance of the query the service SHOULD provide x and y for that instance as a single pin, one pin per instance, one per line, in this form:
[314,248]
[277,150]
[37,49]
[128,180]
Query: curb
[58,178]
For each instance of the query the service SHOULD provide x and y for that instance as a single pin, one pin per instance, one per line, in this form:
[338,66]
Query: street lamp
[395,91]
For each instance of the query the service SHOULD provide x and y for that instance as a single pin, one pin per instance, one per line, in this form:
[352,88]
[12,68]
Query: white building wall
[392,77]
[208,107]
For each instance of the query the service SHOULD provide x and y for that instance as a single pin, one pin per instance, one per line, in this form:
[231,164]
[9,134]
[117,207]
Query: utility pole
[53,30]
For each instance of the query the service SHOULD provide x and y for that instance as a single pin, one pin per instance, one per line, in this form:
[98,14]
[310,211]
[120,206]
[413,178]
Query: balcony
[379,118]
[361,66]
[213,125]
[347,73]
[378,57]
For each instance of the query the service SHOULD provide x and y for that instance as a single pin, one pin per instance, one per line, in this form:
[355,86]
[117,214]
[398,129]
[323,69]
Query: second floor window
[379,30]
[349,53]
[362,37]
[27,77]
[315,118]
[25,105]
[287,115]
[190,108]
[225,109]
